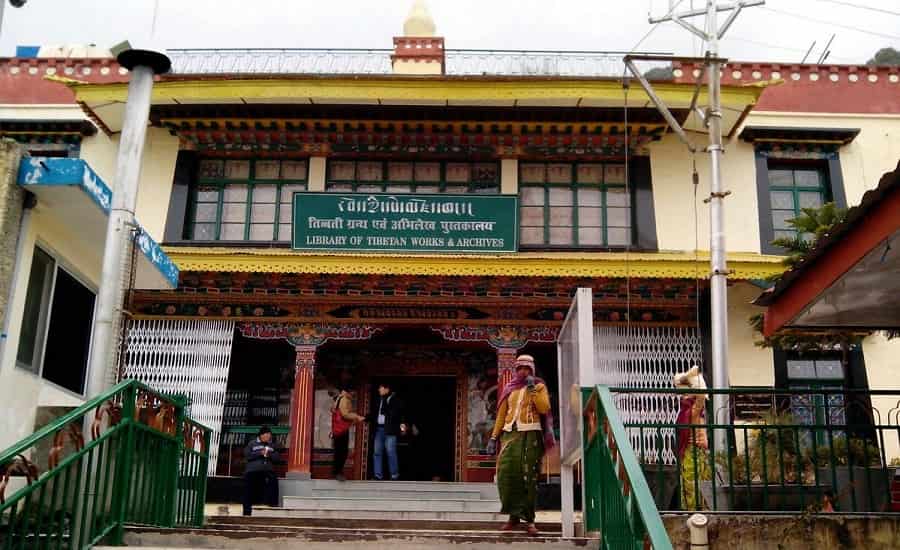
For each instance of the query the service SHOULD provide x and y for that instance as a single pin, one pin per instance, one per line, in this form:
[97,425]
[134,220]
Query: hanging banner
[412,223]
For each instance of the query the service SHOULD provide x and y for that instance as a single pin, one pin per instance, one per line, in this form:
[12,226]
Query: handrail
[25,444]
[815,450]
[618,499]
[145,463]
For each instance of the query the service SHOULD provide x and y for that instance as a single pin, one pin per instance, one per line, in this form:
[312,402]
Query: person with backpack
[342,418]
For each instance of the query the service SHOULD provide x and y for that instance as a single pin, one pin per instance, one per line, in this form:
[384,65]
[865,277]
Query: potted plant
[854,468]
[771,472]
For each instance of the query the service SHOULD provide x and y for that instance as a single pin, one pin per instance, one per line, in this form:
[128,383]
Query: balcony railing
[813,450]
[378,62]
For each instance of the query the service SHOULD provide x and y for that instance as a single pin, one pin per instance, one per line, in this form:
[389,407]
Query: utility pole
[143,65]
[712,118]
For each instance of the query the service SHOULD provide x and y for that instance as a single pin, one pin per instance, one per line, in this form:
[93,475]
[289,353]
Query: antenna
[809,51]
[711,34]
[826,51]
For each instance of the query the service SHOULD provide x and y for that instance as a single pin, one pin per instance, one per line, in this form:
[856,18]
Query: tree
[885,56]
[659,73]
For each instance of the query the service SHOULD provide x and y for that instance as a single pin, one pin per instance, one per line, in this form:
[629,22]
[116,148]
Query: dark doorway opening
[426,453]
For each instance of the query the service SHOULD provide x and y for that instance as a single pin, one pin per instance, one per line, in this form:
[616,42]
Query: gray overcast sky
[769,33]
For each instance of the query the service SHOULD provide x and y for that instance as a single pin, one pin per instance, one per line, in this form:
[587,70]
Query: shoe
[340,477]
[510,525]
[531,531]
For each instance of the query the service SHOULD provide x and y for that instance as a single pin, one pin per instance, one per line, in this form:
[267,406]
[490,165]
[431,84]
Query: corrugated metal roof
[378,62]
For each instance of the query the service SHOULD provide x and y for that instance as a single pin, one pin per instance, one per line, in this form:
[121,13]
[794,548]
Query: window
[245,200]
[56,327]
[817,373]
[574,204]
[791,189]
[377,176]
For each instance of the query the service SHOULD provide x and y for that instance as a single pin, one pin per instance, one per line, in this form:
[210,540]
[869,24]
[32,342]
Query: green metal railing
[145,463]
[811,450]
[618,502]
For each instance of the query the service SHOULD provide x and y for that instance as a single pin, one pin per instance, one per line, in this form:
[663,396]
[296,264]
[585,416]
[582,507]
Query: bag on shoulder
[339,425]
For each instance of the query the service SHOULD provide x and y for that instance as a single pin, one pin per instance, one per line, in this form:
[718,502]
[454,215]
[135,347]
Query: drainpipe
[143,64]
[698,524]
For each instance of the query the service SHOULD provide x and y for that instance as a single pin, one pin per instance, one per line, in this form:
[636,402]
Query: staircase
[395,500]
[320,514]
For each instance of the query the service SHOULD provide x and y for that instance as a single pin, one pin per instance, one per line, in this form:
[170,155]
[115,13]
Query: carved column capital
[305,358]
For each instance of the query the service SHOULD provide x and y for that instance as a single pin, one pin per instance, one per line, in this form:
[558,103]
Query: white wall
[21,392]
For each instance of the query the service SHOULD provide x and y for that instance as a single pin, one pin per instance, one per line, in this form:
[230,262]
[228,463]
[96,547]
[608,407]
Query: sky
[782,30]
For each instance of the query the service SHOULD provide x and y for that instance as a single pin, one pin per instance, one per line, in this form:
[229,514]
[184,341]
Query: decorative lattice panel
[184,357]
[643,357]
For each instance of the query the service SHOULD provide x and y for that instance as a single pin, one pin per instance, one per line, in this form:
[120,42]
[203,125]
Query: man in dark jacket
[389,422]
[259,474]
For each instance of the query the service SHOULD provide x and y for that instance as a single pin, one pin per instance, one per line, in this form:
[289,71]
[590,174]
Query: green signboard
[418,223]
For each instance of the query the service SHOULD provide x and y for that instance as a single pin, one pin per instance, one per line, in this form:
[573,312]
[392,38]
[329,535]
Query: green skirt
[518,467]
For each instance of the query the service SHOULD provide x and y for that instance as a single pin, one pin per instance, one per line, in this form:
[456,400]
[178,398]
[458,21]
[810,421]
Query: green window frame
[581,205]
[792,187]
[245,199]
[408,176]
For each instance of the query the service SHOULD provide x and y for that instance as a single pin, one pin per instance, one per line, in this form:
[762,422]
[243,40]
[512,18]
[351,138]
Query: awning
[81,201]
[105,103]
[851,278]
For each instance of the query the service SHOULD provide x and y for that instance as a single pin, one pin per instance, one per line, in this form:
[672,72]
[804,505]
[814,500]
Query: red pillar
[506,367]
[302,411]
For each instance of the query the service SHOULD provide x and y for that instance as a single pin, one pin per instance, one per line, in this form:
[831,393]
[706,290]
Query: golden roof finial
[419,21]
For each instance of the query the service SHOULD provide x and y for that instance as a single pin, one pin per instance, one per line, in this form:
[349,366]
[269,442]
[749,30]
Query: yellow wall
[883,372]
[673,198]
[875,150]
[21,392]
[748,364]
[157,171]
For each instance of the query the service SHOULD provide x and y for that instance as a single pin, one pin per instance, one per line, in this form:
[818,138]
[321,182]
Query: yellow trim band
[678,265]
[416,89]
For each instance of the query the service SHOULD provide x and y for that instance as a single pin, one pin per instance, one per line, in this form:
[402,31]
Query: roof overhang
[851,278]
[788,134]
[81,201]
[106,102]
[676,265]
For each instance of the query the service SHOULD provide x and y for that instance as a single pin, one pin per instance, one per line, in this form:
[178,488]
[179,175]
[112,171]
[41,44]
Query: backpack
[339,425]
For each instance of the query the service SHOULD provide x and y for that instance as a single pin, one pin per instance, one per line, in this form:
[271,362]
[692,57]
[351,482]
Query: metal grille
[378,62]
[191,358]
[644,357]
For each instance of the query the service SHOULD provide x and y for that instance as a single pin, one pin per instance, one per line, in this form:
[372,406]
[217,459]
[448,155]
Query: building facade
[422,215]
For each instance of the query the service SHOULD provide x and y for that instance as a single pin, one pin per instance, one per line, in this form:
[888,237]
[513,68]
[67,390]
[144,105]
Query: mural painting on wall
[482,396]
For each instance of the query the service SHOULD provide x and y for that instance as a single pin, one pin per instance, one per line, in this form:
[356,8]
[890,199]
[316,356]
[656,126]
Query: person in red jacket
[342,417]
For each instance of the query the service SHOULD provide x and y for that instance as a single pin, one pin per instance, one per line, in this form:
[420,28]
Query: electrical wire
[784,48]
[628,243]
[695,179]
[832,23]
[862,7]
[653,28]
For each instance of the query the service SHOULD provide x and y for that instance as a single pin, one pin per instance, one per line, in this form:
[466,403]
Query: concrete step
[328,487]
[550,527]
[380,514]
[373,493]
[264,537]
[390,503]
[349,491]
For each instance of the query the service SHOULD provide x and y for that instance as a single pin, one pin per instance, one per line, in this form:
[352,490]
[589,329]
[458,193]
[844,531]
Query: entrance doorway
[426,452]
